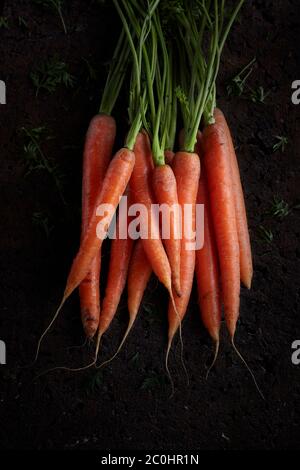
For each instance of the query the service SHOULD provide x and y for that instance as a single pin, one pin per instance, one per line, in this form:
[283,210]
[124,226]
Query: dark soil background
[127,404]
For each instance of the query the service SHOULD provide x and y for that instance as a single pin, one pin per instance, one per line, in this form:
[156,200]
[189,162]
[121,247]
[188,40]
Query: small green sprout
[281,143]
[49,74]
[265,234]
[56,6]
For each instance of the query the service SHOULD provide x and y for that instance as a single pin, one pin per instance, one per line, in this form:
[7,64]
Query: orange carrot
[118,267]
[169,155]
[165,190]
[246,266]
[207,271]
[219,177]
[114,185]
[99,141]
[186,167]
[142,194]
[138,277]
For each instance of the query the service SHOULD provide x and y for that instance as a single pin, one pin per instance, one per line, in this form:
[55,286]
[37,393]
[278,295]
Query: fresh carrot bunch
[165,69]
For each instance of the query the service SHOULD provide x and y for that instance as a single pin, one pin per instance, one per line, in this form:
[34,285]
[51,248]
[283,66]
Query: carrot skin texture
[219,178]
[114,185]
[186,167]
[165,190]
[207,270]
[246,266]
[98,146]
[118,267]
[140,186]
[139,274]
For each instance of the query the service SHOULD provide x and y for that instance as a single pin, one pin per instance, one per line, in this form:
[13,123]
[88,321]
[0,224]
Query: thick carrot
[246,266]
[217,164]
[207,270]
[165,190]
[142,194]
[99,142]
[186,167]
[114,185]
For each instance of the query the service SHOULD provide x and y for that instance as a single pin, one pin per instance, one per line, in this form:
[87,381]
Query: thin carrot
[99,142]
[246,266]
[142,194]
[207,269]
[186,167]
[165,190]
[114,185]
[139,273]
[219,177]
[138,277]
[120,255]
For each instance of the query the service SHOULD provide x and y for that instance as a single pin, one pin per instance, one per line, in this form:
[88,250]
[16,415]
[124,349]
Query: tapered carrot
[246,266]
[118,267]
[217,163]
[139,273]
[165,190]
[138,277]
[114,185]
[142,194]
[186,167]
[99,142]
[207,270]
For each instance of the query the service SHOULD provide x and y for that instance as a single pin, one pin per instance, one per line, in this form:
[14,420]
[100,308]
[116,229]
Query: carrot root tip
[247,367]
[214,359]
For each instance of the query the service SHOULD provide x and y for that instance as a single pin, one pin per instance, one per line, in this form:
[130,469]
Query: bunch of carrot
[164,69]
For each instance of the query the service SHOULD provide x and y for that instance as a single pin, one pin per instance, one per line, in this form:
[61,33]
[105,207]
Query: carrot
[139,273]
[169,155]
[138,277]
[114,185]
[142,194]
[186,167]
[207,270]
[246,267]
[219,177]
[97,152]
[165,190]
[118,267]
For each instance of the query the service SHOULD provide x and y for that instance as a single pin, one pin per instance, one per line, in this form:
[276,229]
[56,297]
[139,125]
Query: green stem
[116,76]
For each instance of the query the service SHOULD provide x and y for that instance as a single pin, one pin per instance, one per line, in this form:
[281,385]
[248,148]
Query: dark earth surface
[127,404]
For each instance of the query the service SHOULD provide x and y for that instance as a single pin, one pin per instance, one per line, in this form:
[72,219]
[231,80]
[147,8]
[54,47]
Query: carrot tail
[48,328]
[214,359]
[247,367]
[130,325]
